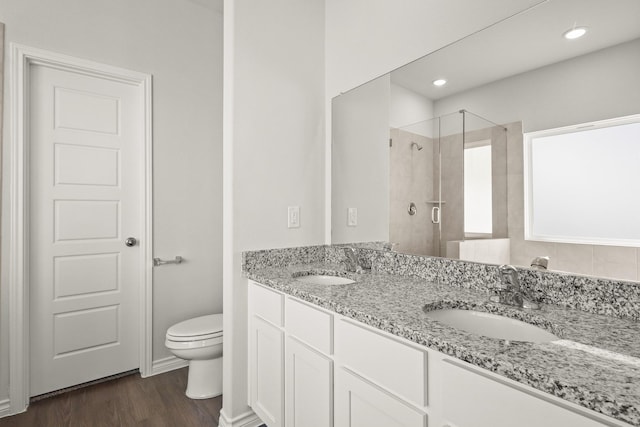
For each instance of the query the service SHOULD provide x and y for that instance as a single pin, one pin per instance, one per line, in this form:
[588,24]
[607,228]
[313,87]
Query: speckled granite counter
[596,364]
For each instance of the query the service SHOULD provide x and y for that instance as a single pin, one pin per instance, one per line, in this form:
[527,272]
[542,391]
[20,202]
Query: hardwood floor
[157,401]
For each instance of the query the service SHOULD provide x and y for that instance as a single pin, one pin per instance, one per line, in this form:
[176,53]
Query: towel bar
[158,261]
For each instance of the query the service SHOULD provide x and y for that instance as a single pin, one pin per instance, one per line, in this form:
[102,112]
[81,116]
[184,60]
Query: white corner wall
[410,110]
[179,42]
[273,154]
[407,107]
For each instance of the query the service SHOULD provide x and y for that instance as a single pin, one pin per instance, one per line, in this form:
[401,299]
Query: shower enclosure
[448,185]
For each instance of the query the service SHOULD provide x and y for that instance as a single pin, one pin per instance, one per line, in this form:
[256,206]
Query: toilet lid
[197,327]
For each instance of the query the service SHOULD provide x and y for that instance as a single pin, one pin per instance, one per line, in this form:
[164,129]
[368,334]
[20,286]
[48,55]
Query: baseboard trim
[167,364]
[5,408]
[248,419]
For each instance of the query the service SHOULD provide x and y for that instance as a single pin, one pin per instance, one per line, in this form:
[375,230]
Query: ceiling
[521,43]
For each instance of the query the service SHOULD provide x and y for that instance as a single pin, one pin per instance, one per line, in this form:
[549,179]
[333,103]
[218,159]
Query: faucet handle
[349,251]
[540,263]
[389,246]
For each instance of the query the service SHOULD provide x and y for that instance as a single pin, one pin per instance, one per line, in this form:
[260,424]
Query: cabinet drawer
[266,303]
[395,366]
[471,399]
[309,325]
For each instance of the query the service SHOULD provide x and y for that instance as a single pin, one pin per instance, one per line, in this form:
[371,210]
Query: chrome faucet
[509,290]
[352,263]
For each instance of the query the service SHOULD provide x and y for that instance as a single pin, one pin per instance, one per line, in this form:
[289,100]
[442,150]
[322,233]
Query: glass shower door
[447,184]
[414,194]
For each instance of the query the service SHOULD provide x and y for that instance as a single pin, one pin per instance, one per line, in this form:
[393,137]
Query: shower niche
[453,168]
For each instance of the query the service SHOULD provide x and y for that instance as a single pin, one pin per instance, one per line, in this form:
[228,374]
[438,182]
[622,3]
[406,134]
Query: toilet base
[205,379]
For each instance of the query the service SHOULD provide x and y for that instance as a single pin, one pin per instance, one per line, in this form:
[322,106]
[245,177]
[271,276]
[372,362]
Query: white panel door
[85,144]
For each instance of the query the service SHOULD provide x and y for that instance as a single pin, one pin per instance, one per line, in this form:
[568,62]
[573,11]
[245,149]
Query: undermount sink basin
[324,279]
[491,325]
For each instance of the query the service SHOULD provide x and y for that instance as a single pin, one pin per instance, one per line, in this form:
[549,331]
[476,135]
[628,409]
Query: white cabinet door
[308,386]
[359,403]
[266,357]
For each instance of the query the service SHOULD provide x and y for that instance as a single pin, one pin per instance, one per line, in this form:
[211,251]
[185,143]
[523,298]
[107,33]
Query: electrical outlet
[352,217]
[293,216]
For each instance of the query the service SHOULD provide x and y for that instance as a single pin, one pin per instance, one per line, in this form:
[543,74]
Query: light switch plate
[352,217]
[293,216]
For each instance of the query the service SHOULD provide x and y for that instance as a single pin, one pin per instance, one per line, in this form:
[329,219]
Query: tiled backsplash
[590,294]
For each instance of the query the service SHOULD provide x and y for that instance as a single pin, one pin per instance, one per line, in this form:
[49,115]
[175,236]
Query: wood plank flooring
[157,401]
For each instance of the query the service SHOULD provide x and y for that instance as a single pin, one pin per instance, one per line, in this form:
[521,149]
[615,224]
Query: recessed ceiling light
[575,33]
[439,82]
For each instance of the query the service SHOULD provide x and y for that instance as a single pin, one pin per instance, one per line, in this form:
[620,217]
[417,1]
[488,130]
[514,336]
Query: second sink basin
[491,325]
[324,279]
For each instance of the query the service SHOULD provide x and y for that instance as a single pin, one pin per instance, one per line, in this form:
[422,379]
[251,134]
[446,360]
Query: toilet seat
[193,338]
[192,344]
[196,329]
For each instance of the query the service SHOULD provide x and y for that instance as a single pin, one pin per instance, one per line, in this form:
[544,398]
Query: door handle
[130,241]
[435,215]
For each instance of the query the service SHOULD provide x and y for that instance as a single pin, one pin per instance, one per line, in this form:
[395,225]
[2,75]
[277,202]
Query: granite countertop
[595,364]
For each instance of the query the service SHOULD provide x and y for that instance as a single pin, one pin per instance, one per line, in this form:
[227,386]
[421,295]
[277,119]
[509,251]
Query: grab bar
[158,261]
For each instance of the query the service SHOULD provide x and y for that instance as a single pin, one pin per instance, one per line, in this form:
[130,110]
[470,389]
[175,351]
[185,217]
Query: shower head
[415,144]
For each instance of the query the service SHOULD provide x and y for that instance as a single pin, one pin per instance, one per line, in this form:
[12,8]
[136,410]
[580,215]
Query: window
[582,183]
[478,220]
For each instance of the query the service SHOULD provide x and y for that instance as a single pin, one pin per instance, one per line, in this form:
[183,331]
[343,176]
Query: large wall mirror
[440,170]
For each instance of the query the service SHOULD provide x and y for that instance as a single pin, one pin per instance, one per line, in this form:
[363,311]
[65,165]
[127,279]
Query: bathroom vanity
[366,354]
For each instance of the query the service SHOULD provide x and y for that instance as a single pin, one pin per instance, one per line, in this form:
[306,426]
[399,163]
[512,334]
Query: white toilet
[199,340]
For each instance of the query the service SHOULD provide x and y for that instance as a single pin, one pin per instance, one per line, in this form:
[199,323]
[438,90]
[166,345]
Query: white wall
[360,163]
[410,110]
[4,356]
[179,42]
[273,153]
